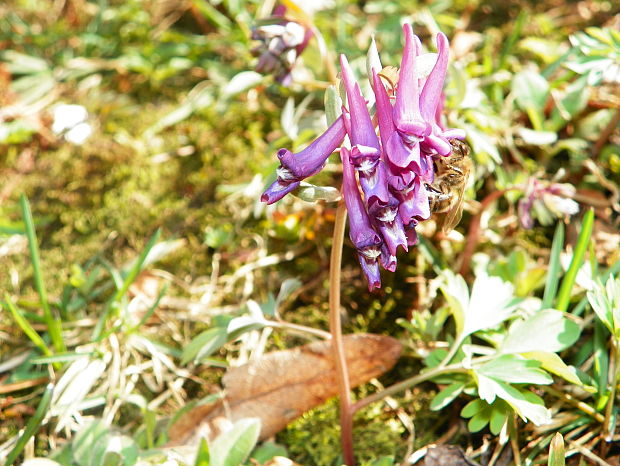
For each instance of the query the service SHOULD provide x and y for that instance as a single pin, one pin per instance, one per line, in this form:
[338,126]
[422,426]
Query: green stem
[455,347]
[407,383]
[335,329]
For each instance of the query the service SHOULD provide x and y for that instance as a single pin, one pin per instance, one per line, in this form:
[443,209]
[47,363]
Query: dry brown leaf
[282,385]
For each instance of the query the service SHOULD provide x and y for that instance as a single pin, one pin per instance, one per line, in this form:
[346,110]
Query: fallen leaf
[282,385]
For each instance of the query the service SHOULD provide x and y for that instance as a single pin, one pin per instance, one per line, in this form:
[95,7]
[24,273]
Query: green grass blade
[136,268]
[151,310]
[555,270]
[53,325]
[32,426]
[203,458]
[131,276]
[61,357]
[576,262]
[556,451]
[21,321]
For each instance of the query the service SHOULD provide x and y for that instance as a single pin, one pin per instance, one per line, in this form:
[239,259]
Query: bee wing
[454,215]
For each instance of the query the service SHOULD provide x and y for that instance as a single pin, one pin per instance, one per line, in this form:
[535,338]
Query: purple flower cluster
[546,201]
[281,42]
[385,176]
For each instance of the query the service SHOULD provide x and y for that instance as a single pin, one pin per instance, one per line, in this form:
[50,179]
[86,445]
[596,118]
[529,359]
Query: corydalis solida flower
[384,175]
[546,201]
[281,43]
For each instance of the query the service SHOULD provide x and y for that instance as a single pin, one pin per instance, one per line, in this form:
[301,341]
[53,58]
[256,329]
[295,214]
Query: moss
[315,437]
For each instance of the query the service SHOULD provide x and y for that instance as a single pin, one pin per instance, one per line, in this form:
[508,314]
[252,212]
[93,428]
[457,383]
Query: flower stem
[407,383]
[342,372]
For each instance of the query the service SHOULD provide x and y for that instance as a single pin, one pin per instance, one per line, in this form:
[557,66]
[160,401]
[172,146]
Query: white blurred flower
[71,120]
[67,116]
[79,133]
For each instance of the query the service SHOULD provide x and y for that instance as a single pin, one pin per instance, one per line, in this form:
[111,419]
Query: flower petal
[407,116]
[362,130]
[310,160]
[431,93]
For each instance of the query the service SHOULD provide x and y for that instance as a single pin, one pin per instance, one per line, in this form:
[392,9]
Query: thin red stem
[335,329]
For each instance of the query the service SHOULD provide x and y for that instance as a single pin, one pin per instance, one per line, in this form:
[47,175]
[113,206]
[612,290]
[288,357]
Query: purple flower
[431,104]
[295,167]
[363,236]
[389,223]
[404,184]
[546,201]
[388,197]
[365,151]
[281,42]
[414,204]
[403,148]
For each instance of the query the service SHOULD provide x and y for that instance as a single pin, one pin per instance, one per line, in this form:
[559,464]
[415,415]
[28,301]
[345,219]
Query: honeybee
[445,193]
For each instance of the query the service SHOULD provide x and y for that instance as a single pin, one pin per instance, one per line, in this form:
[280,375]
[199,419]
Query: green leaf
[531,91]
[573,101]
[525,403]
[234,446]
[480,419]
[447,396]
[499,416]
[471,408]
[491,302]
[605,302]
[546,330]
[267,451]
[513,369]
[551,362]
[556,451]
[241,82]
[205,344]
